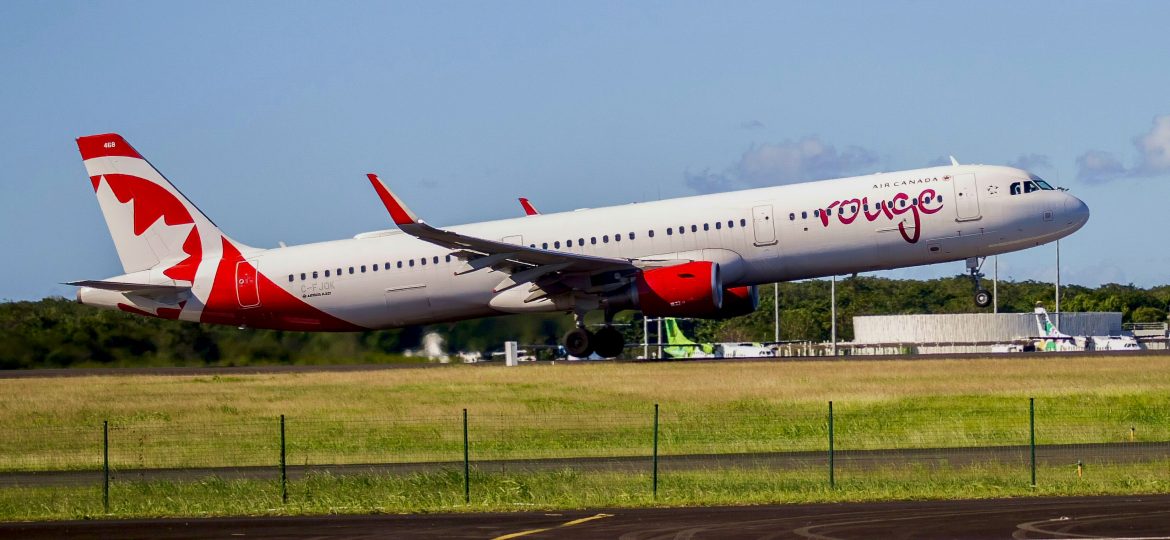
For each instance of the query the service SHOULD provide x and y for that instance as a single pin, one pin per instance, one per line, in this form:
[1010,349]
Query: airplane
[699,256]
[1052,339]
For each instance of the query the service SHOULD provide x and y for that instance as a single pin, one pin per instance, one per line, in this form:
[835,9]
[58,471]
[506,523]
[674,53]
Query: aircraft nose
[1076,211]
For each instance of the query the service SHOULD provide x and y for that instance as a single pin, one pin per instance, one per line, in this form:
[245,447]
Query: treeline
[59,333]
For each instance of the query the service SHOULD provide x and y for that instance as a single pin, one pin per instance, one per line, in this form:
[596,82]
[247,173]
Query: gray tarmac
[1134,517]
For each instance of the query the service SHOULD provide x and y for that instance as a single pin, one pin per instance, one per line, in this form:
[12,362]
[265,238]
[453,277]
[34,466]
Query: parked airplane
[700,256]
[1052,339]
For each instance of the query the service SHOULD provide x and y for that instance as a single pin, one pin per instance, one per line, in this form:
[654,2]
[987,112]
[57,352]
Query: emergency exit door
[966,197]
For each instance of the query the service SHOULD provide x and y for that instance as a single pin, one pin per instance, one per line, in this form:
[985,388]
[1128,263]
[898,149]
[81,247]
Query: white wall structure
[975,327]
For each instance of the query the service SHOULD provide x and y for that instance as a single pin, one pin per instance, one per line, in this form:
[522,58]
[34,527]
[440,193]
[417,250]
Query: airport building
[967,332]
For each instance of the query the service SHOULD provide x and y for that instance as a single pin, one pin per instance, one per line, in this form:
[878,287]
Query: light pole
[833,326]
[1058,283]
[776,312]
[995,285]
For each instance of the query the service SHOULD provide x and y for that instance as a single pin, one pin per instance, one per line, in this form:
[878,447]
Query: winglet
[954,162]
[398,211]
[528,208]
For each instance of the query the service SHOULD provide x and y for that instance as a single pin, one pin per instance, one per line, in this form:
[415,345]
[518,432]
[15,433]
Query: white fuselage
[389,279]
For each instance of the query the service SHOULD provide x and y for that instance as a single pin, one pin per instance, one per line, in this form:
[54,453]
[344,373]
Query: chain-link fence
[1019,439]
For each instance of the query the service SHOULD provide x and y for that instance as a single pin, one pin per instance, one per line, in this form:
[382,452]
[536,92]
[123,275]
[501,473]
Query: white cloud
[1030,161]
[752,124]
[784,163]
[1154,148]
[1097,166]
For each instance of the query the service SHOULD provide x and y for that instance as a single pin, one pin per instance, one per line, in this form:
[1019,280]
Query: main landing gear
[982,297]
[607,342]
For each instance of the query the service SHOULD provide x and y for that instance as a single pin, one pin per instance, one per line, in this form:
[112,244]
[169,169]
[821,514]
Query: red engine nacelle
[739,301]
[687,290]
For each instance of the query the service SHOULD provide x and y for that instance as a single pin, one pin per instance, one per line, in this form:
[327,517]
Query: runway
[1133,517]
[347,368]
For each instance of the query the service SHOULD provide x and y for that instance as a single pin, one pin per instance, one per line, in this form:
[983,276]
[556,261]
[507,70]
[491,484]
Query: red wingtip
[398,212]
[528,208]
[104,145]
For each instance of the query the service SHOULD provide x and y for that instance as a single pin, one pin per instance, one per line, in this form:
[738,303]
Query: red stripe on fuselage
[278,309]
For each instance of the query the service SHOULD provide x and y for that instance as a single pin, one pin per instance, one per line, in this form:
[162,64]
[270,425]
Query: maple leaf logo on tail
[153,225]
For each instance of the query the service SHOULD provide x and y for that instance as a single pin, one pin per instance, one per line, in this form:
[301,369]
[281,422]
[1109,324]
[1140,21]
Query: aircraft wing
[523,263]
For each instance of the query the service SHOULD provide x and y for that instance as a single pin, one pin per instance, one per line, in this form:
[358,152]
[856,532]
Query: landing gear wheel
[609,342]
[579,342]
[982,298]
[974,265]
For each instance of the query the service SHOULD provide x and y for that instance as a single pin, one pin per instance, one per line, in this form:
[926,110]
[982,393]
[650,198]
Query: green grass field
[586,410]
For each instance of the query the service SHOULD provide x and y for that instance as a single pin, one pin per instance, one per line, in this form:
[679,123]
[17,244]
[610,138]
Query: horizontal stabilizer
[143,289]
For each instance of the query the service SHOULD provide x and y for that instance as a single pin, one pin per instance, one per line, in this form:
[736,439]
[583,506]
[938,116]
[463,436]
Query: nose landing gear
[974,265]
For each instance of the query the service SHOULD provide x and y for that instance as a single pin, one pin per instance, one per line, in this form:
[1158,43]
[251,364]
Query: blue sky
[268,114]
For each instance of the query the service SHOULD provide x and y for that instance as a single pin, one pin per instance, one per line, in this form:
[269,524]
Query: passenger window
[605,239]
[386,267]
[435,259]
[617,237]
[631,236]
[399,264]
[448,258]
[326,273]
[374,267]
[580,242]
[804,215]
[865,207]
[791,217]
[669,231]
[718,225]
[411,262]
[314,275]
[339,271]
[290,278]
[544,245]
[363,268]
[694,228]
[940,198]
[730,224]
[743,222]
[593,240]
[650,233]
[682,229]
[302,276]
[817,213]
[422,261]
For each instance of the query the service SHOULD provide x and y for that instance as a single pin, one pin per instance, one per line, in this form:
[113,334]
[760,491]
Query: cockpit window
[1028,186]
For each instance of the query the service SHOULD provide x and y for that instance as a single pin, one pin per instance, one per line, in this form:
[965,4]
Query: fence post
[466,463]
[654,476]
[283,468]
[106,465]
[832,472]
[1032,435]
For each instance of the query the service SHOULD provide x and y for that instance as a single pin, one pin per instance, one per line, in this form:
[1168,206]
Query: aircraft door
[764,226]
[247,284]
[966,197]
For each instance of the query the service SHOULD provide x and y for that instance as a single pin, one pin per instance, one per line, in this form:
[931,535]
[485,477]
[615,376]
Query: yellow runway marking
[565,524]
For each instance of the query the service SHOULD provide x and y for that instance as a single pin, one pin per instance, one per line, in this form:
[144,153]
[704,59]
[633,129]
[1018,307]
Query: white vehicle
[699,256]
[743,350]
[1052,339]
